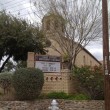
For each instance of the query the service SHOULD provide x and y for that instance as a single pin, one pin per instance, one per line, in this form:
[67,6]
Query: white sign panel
[48,66]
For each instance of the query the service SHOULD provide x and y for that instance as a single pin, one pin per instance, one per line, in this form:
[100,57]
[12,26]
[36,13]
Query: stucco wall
[44,104]
[89,60]
[59,82]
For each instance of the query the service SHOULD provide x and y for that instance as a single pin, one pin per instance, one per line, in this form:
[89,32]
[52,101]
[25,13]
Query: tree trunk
[69,65]
[72,63]
[3,65]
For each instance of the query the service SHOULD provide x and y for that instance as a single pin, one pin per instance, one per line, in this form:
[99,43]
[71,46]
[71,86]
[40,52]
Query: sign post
[106,54]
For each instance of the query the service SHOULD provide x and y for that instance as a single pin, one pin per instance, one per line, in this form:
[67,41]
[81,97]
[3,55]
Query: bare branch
[81,20]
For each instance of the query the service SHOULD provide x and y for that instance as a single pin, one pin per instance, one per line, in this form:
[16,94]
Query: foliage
[9,66]
[21,64]
[6,81]
[28,83]
[91,81]
[12,66]
[81,97]
[57,95]
[63,95]
[17,37]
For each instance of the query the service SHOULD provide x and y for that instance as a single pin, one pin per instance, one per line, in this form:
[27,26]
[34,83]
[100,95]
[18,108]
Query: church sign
[48,63]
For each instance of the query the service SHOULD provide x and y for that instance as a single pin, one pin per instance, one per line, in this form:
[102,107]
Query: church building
[50,25]
[62,81]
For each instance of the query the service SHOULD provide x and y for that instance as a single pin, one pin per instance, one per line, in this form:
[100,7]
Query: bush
[91,81]
[28,83]
[81,97]
[57,95]
[6,81]
[62,95]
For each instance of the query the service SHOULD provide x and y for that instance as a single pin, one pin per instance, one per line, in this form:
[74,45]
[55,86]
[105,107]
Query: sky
[23,9]
[19,8]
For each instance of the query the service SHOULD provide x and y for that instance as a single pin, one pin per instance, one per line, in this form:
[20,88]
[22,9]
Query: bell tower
[53,25]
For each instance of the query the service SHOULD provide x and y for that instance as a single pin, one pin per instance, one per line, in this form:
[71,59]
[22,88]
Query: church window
[84,60]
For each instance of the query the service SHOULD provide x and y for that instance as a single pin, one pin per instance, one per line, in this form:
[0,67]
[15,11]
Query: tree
[17,37]
[9,66]
[21,64]
[82,24]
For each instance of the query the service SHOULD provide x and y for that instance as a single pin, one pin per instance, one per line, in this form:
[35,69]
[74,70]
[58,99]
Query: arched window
[84,60]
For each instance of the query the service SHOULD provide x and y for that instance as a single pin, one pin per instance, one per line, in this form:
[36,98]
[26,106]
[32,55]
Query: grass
[62,95]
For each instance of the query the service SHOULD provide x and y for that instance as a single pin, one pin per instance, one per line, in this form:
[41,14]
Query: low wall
[59,82]
[44,104]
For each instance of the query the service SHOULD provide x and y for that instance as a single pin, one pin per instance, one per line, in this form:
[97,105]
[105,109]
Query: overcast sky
[23,8]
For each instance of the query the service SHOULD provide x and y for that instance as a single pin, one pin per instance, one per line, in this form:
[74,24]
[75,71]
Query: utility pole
[106,54]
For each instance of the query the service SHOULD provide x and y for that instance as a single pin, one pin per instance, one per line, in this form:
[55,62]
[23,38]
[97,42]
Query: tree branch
[3,65]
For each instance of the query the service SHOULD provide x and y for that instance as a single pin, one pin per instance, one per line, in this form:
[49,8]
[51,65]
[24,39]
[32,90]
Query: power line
[21,9]
[34,12]
[11,2]
[19,3]
[27,13]
[15,5]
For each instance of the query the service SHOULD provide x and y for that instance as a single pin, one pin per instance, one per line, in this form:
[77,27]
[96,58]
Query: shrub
[81,97]
[6,81]
[91,81]
[28,83]
[62,95]
[57,95]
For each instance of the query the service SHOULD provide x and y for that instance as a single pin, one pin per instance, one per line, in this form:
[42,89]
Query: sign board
[48,63]
[47,58]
